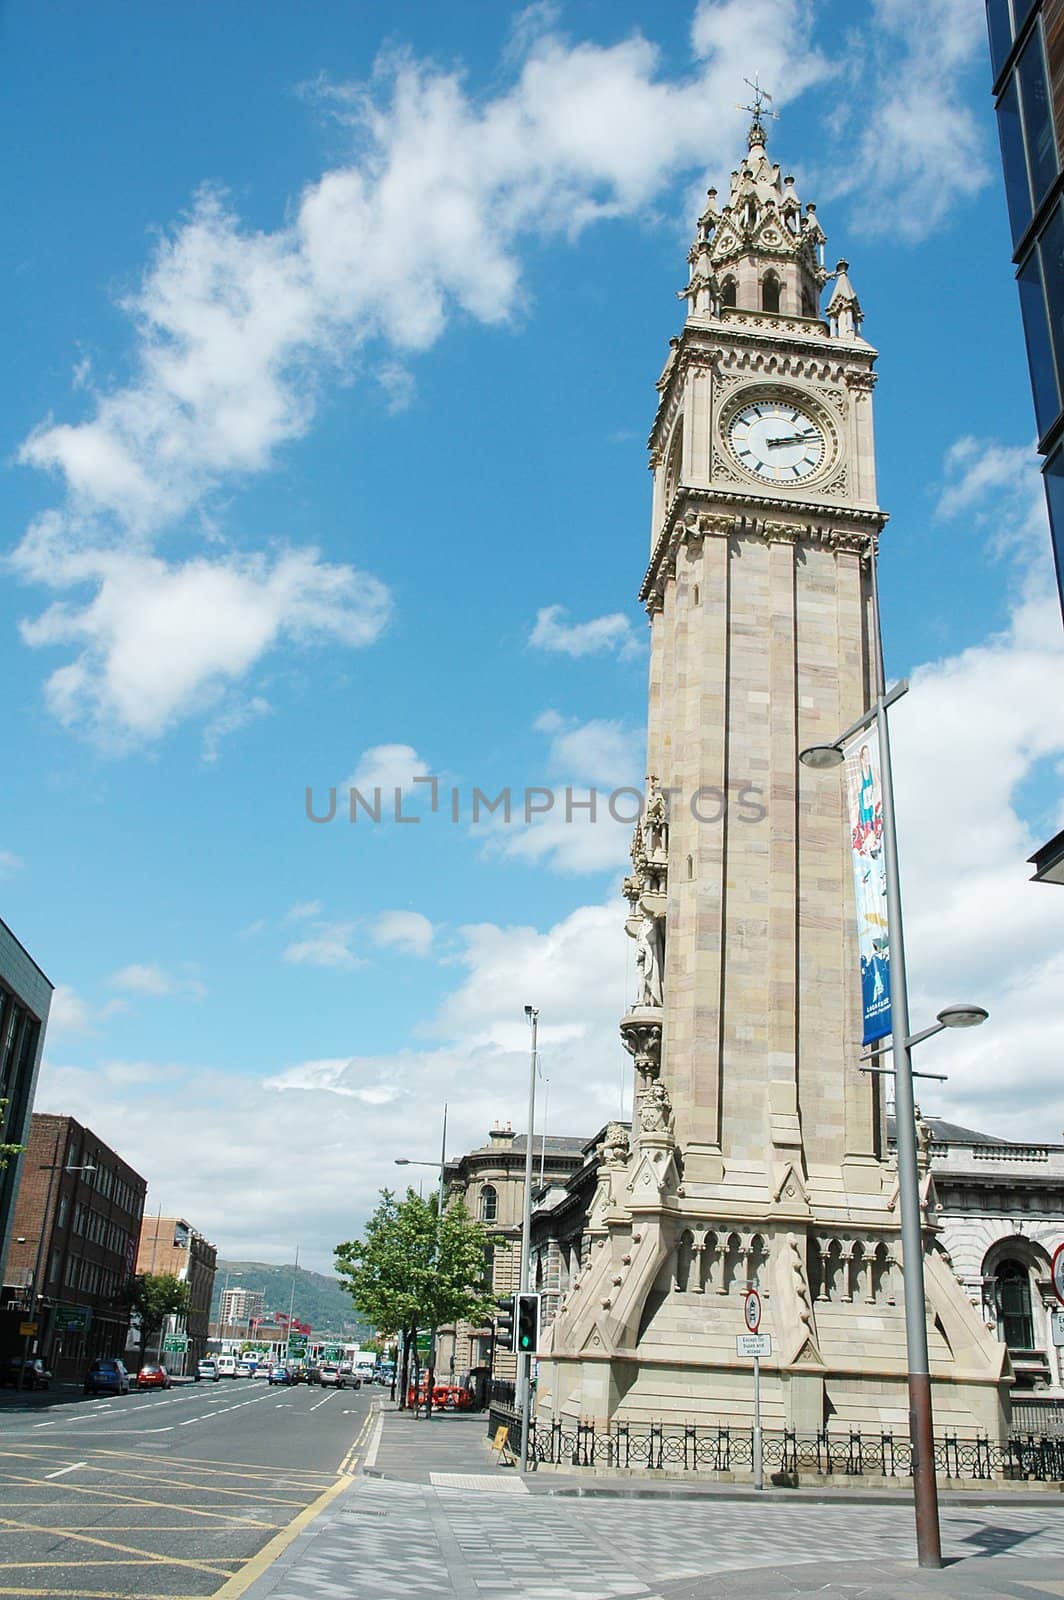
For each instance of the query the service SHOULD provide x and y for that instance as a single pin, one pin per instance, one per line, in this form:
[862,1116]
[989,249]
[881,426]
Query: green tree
[153,1297]
[7,1151]
[412,1269]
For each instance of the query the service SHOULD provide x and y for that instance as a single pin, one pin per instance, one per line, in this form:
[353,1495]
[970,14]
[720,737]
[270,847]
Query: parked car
[153,1376]
[30,1373]
[329,1373]
[281,1375]
[107,1376]
[244,1369]
[208,1369]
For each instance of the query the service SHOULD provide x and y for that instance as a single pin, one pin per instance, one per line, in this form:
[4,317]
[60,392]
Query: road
[165,1494]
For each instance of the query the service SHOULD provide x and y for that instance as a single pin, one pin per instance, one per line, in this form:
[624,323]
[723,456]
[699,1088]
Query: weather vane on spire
[757,111]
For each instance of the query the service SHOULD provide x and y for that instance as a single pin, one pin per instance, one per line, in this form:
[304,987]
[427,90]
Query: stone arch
[771,291]
[685,1259]
[489,1203]
[674,460]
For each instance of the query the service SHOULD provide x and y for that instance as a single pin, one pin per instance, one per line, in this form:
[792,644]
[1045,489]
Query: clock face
[777,441]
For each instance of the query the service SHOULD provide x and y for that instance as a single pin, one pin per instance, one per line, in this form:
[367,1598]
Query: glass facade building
[1027,56]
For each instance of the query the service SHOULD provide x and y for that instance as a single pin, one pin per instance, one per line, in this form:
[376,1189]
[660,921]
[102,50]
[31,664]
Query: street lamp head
[821,757]
[402,1161]
[962,1016]
[530,1012]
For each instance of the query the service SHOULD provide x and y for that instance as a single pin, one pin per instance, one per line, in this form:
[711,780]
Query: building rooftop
[943,1132]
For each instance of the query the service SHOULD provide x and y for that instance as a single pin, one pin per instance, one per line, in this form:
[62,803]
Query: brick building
[171,1245]
[25,999]
[74,1242]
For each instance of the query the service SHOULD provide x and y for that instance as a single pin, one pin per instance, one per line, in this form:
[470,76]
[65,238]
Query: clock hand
[796,438]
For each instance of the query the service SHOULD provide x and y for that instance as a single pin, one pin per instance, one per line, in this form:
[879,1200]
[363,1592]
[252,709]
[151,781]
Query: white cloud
[971,741]
[601,634]
[146,978]
[551,822]
[238,714]
[10,863]
[328,946]
[911,148]
[158,641]
[406,931]
[328,1130]
[302,910]
[68,1012]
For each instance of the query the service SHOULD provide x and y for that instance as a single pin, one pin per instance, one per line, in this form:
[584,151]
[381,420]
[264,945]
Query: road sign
[1058,1272]
[752,1310]
[297,1344]
[1058,1327]
[175,1344]
[754,1344]
[26,1330]
[71,1319]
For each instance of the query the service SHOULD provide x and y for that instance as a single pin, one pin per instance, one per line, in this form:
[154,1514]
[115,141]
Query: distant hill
[318,1300]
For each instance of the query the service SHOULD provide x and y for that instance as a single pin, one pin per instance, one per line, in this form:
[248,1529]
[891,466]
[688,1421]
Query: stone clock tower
[758,1150]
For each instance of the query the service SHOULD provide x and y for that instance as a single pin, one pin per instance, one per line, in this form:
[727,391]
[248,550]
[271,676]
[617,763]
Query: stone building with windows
[490,1181]
[74,1243]
[1000,1212]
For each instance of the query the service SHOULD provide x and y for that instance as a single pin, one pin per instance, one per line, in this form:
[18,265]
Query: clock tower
[758,1153]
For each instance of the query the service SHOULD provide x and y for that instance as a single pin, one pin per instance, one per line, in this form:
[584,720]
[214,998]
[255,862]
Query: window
[770,292]
[1014,160]
[1037,117]
[489,1203]
[1039,349]
[1014,1305]
[1054,477]
[727,292]
[61,1214]
[808,303]
[999,25]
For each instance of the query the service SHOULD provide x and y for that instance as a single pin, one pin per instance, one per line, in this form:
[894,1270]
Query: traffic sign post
[757,1345]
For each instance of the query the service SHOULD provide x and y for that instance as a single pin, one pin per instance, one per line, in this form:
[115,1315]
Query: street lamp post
[51,1168]
[524,1359]
[404,1161]
[921,1425]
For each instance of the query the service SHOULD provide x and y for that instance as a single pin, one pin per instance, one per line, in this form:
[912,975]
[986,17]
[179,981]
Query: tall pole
[291,1308]
[524,1361]
[921,1426]
[431,1375]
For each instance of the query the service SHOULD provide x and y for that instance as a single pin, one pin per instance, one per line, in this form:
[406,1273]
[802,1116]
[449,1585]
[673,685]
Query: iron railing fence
[680,1447]
[1038,1416]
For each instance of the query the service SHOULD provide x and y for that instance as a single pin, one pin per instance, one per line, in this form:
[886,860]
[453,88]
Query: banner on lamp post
[864,794]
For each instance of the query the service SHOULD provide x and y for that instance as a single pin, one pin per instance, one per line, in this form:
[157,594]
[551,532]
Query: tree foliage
[7,1151]
[407,1271]
[152,1297]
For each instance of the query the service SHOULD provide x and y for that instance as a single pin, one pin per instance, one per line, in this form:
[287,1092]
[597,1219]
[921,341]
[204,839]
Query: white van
[227,1366]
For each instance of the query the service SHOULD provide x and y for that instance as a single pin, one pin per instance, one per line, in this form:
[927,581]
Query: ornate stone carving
[615,1148]
[641,1036]
[655,1109]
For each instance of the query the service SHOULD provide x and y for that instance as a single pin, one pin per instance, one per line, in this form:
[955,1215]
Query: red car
[152,1376]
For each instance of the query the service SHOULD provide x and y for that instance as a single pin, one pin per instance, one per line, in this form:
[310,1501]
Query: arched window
[489,1203]
[808,303]
[1014,1305]
[727,292]
[770,292]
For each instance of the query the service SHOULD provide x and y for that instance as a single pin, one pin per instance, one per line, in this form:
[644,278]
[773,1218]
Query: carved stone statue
[656,824]
[649,958]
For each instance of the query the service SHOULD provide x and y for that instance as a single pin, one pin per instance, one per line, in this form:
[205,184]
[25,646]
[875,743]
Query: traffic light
[527,1341]
[504,1323]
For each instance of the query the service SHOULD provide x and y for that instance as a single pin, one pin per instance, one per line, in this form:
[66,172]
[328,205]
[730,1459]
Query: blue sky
[331,348]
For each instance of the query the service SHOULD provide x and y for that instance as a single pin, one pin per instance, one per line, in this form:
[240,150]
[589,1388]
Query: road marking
[241,1581]
[319,1403]
[64,1470]
[148,1558]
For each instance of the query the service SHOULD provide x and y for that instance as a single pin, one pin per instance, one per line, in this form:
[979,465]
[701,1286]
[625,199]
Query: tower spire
[757,135]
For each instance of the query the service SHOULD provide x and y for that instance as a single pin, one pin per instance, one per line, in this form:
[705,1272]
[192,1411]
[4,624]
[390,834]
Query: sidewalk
[433,1517]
